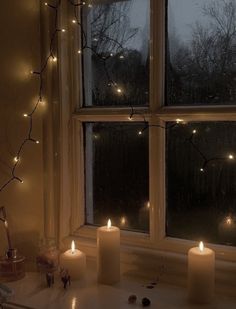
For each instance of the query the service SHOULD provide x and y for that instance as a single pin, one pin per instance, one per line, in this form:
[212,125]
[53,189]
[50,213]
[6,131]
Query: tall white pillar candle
[108,245]
[201,274]
[74,261]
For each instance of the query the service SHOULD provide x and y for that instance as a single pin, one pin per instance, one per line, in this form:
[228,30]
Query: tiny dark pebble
[149,286]
[146,302]
[132,299]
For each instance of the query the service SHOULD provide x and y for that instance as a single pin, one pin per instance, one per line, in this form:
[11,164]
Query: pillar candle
[74,261]
[108,245]
[201,274]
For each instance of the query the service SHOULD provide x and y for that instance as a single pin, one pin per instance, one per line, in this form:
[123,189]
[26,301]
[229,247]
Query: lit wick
[201,246]
[73,247]
[109,224]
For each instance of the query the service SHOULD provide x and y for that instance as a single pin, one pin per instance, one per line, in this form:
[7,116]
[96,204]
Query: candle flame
[201,246]
[73,246]
[109,224]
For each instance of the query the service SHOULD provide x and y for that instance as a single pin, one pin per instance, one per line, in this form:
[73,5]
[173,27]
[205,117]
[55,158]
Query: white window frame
[72,195]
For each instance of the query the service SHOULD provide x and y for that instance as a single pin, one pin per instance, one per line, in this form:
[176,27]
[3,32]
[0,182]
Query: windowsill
[144,262]
[31,291]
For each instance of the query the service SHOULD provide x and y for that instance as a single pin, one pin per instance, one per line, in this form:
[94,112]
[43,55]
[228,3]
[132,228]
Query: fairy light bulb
[37,142]
[25,115]
[119,90]
[194,131]
[121,57]
[178,120]
[45,3]
[63,30]
[90,5]
[130,117]
[201,169]
[73,21]
[54,59]
[230,156]
[79,51]
[16,159]
[139,132]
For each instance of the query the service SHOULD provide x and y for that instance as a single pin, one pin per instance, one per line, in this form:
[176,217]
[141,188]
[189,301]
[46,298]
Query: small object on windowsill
[12,266]
[146,302]
[132,299]
[65,278]
[50,279]
[47,260]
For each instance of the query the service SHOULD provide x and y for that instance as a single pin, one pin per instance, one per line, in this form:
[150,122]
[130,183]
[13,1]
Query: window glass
[201,52]
[201,182]
[116,53]
[117,175]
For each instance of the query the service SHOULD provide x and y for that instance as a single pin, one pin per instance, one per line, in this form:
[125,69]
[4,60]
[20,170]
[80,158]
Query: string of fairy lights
[52,57]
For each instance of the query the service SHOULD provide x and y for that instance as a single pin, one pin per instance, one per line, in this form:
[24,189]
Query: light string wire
[51,56]
[133,112]
[40,75]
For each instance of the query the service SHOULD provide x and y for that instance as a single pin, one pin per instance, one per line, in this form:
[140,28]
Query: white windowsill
[31,291]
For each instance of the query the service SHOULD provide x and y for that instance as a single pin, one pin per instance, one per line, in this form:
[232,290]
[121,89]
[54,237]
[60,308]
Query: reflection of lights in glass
[123,221]
[228,220]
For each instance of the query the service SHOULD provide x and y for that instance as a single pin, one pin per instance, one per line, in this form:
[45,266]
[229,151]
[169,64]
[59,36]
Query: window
[157,118]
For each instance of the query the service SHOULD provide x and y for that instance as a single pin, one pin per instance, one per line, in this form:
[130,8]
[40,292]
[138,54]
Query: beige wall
[19,54]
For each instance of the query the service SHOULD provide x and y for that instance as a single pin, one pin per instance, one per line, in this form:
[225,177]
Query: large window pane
[201,182]
[117,175]
[116,53]
[201,52]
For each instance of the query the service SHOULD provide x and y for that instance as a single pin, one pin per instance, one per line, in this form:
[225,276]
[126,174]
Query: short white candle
[201,274]
[108,244]
[74,261]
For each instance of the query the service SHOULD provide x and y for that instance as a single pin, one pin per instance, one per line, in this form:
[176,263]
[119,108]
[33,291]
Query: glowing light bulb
[37,142]
[45,3]
[54,59]
[130,117]
[139,132]
[148,205]
[25,115]
[111,54]
[119,90]
[73,247]
[109,224]
[16,159]
[83,3]
[194,131]
[201,246]
[63,30]
[90,5]
[79,51]
[178,120]
[228,220]
[231,157]
[123,220]
[121,57]
[201,169]
[73,21]
[21,181]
